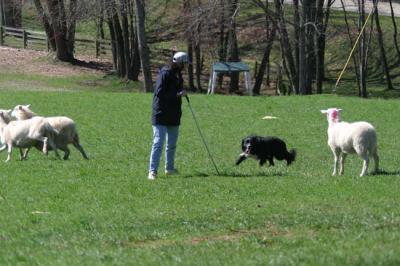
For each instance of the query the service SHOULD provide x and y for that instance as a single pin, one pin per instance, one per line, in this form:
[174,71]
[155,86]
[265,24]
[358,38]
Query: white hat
[180,57]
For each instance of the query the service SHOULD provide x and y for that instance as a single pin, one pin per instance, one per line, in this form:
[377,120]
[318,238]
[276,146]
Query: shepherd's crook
[201,134]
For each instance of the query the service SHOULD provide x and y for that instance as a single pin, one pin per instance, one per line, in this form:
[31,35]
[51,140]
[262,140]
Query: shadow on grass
[101,66]
[383,172]
[233,174]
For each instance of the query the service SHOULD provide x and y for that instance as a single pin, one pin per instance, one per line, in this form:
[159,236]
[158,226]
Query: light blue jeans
[160,133]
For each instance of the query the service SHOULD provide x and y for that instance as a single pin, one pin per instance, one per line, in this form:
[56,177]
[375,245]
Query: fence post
[24,38]
[1,35]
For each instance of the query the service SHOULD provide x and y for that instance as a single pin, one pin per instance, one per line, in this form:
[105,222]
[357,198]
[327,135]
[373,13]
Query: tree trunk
[296,25]
[57,16]
[197,51]
[233,45]
[11,13]
[189,43]
[71,27]
[264,62]
[126,38]
[119,40]
[199,66]
[362,50]
[382,48]
[143,49]
[46,24]
[306,48]
[113,45]
[222,49]
[394,30]
[288,60]
[135,56]
[319,39]
[356,66]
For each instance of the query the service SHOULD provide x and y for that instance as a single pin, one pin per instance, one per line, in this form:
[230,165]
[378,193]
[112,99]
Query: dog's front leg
[262,161]
[243,156]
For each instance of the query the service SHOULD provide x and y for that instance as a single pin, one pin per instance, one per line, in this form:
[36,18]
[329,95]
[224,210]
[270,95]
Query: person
[166,114]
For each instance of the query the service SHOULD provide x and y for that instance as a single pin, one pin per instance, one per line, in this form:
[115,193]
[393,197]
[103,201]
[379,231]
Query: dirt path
[42,63]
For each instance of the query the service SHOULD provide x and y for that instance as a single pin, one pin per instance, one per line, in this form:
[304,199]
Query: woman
[166,115]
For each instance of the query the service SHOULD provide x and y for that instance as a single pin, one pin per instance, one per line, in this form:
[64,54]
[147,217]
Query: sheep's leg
[44,140]
[365,165]
[341,163]
[9,150]
[54,147]
[79,147]
[376,160]
[21,154]
[66,153]
[26,153]
[336,153]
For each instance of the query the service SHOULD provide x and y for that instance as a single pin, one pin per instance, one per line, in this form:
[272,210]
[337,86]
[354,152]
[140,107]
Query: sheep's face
[21,112]
[332,114]
[5,116]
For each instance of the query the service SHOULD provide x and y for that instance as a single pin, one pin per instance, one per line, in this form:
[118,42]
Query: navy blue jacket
[167,104]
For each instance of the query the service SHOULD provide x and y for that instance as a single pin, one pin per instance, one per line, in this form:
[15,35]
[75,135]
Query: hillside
[251,45]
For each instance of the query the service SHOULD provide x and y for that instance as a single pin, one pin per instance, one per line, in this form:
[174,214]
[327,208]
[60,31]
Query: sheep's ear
[28,105]
[9,111]
[324,111]
[338,109]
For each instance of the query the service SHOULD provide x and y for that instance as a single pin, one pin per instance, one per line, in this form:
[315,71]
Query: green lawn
[105,211]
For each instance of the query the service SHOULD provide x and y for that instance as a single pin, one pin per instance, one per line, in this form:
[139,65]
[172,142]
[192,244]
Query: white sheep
[347,138]
[64,125]
[25,134]
[7,113]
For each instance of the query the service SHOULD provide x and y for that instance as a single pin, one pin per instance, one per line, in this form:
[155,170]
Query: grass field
[105,211]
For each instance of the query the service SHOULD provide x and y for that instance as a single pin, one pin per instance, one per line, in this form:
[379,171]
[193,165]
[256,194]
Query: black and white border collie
[265,149]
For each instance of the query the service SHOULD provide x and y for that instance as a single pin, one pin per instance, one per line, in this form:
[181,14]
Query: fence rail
[36,40]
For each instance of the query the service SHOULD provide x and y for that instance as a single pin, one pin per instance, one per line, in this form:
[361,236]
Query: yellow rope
[355,44]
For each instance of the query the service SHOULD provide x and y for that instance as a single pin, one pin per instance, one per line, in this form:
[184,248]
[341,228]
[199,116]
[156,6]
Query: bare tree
[117,38]
[320,41]
[233,50]
[10,13]
[59,20]
[187,10]
[362,50]
[271,27]
[46,24]
[286,48]
[296,42]
[396,44]
[143,48]
[305,48]
[381,44]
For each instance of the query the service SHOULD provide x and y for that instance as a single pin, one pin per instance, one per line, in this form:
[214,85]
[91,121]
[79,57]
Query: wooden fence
[35,40]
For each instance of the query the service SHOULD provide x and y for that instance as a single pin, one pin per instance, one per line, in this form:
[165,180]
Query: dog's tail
[291,156]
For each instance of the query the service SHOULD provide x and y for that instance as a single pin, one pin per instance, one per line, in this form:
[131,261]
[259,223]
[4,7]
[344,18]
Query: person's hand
[182,93]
